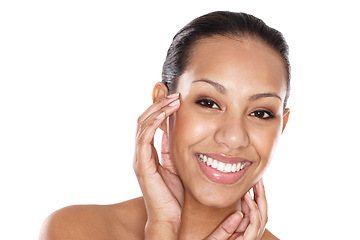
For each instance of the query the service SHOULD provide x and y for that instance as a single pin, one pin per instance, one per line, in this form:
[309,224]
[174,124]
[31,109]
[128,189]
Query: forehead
[237,64]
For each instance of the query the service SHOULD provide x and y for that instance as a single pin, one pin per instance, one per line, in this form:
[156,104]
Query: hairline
[243,38]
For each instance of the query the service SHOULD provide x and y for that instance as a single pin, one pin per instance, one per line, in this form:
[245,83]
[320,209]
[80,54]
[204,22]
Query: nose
[232,133]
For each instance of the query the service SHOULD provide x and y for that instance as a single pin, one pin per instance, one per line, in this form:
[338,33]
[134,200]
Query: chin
[219,196]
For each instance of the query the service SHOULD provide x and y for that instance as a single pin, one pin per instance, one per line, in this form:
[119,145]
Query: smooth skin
[178,201]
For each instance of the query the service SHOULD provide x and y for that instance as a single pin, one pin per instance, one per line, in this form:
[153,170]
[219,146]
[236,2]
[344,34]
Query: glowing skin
[230,116]
[245,82]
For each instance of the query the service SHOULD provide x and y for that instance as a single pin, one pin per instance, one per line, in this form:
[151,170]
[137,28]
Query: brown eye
[262,114]
[208,103]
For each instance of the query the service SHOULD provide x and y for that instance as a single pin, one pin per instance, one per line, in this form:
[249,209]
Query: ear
[285,118]
[159,92]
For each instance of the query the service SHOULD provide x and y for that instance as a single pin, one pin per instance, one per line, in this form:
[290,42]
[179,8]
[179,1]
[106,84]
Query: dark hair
[225,24]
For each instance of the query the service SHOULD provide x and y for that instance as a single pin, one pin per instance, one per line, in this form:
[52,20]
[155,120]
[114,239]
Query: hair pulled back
[225,24]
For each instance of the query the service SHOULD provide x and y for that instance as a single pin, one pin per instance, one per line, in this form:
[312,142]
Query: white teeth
[209,161]
[221,166]
[214,163]
[205,159]
[238,166]
[242,166]
[233,168]
[228,167]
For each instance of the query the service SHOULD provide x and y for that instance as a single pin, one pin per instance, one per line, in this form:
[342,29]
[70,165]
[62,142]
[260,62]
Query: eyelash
[262,114]
[208,103]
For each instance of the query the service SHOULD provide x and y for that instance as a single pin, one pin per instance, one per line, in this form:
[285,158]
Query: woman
[222,107]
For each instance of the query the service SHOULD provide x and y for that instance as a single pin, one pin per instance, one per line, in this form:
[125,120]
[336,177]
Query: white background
[75,75]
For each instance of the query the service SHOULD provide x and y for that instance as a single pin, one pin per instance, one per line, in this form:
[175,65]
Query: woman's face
[230,118]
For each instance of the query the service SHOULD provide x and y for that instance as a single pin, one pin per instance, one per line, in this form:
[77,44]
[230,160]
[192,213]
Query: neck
[199,221]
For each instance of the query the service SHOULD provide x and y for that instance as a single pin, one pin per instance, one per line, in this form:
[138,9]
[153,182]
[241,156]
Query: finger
[165,155]
[226,228]
[145,138]
[246,219]
[252,230]
[168,108]
[147,128]
[145,161]
[157,106]
[260,199]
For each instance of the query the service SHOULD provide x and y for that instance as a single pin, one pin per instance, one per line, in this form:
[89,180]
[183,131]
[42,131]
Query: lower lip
[221,177]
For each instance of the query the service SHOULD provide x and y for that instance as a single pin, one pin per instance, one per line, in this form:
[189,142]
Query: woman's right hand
[162,188]
[248,224]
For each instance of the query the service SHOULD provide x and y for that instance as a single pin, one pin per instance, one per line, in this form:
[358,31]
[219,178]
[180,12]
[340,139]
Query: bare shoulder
[268,236]
[124,220]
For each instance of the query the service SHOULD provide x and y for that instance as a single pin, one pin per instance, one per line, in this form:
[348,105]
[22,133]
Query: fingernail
[248,194]
[174,103]
[174,95]
[241,214]
[161,115]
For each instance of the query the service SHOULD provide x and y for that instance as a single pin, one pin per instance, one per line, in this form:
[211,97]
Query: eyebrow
[264,95]
[220,88]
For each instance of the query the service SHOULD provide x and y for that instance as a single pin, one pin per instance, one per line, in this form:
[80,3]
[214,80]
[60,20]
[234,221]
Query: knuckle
[139,141]
[139,131]
[140,119]
[140,126]
[225,229]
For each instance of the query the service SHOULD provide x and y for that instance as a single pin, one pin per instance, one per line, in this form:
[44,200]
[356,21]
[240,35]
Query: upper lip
[226,159]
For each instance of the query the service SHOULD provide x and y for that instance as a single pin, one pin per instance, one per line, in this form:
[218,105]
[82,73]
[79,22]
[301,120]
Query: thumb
[227,228]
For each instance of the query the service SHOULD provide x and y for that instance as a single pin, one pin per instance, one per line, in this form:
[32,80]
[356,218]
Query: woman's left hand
[248,224]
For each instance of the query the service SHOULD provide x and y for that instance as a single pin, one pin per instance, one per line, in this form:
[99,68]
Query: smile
[222,169]
[222,166]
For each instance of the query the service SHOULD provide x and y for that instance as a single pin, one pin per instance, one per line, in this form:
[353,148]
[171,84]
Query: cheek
[187,128]
[265,141]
